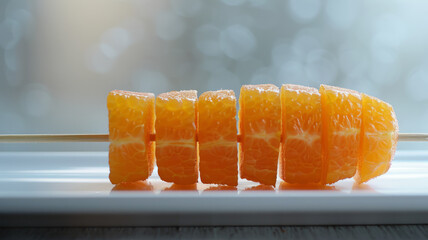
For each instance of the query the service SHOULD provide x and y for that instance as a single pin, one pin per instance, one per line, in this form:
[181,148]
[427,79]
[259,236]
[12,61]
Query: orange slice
[378,139]
[341,122]
[176,126]
[260,129]
[131,121]
[301,158]
[218,154]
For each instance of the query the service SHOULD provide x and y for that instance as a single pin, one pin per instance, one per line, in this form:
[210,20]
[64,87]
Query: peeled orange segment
[260,129]
[301,159]
[131,121]
[341,123]
[218,154]
[176,147]
[378,139]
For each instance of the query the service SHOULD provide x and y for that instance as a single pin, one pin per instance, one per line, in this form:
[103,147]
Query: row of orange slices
[319,136]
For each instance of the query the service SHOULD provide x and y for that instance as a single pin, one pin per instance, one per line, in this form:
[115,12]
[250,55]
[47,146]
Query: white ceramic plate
[72,189]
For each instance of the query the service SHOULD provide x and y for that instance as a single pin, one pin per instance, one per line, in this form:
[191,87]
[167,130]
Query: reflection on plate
[53,173]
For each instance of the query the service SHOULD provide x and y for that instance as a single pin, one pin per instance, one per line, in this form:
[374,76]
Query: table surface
[391,232]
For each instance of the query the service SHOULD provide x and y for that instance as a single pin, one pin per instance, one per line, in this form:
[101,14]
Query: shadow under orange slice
[220,188]
[179,187]
[260,187]
[133,186]
[288,186]
[362,187]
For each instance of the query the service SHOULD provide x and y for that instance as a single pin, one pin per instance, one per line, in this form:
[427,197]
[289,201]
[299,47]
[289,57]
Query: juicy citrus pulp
[260,129]
[300,155]
[131,121]
[218,160]
[328,135]
[176,146]
[378,139]
[341,123]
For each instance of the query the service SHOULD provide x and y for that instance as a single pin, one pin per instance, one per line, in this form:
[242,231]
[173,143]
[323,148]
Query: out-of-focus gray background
[60,58]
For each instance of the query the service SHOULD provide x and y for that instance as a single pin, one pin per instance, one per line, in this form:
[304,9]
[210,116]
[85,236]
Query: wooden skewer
[29,138]
[413,137]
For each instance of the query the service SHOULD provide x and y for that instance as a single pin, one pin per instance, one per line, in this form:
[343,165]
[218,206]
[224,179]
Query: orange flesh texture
[131,121]
[301,158]
[260,129]
[341,122]
[176,146]
[378,139]
[218,154]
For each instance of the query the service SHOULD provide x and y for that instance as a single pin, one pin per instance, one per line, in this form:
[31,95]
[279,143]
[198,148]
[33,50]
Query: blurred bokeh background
[60,58]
